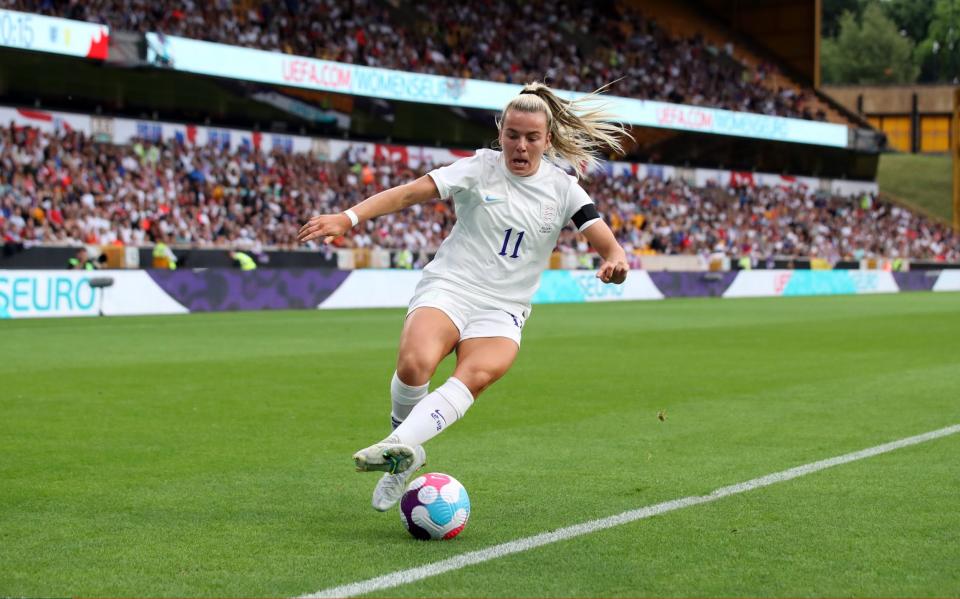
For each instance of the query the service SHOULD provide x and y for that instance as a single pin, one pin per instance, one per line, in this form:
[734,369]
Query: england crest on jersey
[548,216]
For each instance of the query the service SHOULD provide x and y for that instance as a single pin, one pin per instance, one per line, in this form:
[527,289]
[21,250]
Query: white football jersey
[506,229]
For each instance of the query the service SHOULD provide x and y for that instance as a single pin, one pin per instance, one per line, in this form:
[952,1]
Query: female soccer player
[475,295]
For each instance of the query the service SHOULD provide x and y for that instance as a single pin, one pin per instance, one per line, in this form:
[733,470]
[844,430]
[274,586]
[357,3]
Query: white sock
[447,404]
[402,398]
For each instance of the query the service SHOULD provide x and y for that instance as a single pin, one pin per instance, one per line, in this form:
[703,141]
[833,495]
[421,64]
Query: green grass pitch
[209,454]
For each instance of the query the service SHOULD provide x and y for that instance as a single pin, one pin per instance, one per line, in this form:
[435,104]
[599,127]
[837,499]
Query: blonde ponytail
[578,128]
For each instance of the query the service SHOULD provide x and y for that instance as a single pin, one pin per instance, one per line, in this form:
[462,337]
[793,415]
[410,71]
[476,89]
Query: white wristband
[354,219]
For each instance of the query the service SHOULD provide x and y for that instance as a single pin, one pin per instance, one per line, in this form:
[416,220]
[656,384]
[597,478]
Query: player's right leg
[429,335]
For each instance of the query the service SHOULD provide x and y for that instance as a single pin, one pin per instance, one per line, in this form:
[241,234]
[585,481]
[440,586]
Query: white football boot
[388,455]
[390,487]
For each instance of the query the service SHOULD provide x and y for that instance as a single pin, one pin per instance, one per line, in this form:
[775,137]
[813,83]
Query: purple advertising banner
[205,290]
[267,289]
[692,284]
[916,280]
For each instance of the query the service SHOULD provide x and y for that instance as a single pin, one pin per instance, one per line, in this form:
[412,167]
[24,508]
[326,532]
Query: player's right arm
[330,226]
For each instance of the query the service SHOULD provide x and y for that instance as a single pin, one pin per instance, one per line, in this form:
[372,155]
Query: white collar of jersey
[544,164]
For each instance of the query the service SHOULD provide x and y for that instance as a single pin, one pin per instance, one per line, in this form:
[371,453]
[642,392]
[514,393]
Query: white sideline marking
[475,557]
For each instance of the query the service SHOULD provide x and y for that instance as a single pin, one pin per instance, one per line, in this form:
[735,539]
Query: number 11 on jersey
[506,242]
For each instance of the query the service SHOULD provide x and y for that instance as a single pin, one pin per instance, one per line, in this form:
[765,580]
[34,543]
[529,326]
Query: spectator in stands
[82,261]
[473,299]
[163,256]
[243,261]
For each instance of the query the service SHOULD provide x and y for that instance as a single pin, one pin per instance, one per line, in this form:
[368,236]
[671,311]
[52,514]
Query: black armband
[585,215]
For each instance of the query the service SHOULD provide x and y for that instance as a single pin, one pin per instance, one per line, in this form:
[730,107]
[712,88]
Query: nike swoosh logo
[490,199]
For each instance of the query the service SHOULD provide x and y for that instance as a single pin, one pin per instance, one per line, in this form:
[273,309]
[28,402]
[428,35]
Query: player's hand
[328,226]
[613,271]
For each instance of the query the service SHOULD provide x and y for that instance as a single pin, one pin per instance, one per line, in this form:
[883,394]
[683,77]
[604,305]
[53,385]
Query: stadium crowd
[65,189]
[577,44]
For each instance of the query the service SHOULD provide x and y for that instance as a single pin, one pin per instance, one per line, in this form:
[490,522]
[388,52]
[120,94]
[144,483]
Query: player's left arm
[614,268]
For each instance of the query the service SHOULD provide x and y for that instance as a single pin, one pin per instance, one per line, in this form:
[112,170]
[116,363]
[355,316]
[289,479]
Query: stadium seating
[683,21]
[64,188]
[579,45]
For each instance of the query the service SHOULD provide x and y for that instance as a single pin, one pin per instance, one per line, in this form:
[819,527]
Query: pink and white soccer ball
[435,507]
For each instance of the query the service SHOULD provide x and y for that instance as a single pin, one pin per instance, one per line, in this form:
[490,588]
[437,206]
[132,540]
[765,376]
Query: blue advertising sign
[26,294]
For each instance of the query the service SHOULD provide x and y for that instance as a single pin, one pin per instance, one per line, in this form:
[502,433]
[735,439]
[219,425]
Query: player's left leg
[488,346]
[480,362]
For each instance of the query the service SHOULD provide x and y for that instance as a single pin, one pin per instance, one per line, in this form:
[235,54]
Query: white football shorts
[472,316]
